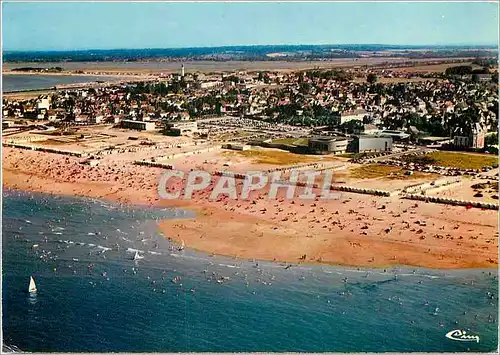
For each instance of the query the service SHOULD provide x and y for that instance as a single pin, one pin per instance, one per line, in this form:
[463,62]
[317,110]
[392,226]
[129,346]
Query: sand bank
[359,230]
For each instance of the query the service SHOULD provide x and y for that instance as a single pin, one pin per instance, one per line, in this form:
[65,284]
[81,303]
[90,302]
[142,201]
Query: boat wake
[132,250]
[6,348]
[230,266]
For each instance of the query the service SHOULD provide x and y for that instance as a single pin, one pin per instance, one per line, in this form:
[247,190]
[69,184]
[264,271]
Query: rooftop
[326,139]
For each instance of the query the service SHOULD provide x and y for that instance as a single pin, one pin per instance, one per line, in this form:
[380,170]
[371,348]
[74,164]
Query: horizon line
[258,45]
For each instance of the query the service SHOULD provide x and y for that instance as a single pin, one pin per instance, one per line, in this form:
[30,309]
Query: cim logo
[461,335]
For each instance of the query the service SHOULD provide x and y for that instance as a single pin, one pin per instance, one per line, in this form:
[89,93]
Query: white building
[182,128]
[473,139]
[99,119]
[139,125]
[210,84]
[43,104]
[236,146]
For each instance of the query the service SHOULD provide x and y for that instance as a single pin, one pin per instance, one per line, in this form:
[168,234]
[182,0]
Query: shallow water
[255,306]
[19,82]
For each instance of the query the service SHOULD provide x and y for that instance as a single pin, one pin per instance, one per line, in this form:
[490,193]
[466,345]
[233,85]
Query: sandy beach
[359,230]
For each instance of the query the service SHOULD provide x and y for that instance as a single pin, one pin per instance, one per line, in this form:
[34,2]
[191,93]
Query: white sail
[32,287]
[137,256]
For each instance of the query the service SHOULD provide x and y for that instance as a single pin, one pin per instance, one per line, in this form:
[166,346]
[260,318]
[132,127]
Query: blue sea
[20,82]
[92,295]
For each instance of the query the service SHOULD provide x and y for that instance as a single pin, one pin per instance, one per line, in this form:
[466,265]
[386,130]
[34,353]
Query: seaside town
[329,102]
[425,132]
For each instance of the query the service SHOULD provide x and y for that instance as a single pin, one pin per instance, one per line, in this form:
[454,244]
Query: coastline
[303,294]
[105,80]
[239,228]
[72,73]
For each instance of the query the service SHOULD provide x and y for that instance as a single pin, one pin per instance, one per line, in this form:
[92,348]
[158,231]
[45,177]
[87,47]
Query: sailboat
[32,287]
[137,256]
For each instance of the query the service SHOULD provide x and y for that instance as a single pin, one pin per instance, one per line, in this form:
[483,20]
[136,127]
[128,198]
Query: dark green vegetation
[371,78]
[434,125]
[297,52]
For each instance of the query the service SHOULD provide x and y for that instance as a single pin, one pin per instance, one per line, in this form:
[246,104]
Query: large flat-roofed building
[364,144]
[139,125]
[236,146]
[180,128]
[328,145]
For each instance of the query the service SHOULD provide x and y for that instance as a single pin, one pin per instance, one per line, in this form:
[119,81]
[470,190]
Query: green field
[455,160]
[373,171]
[274,157]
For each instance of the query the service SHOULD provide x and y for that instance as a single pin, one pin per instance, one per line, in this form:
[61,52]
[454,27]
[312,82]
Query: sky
[69,26]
